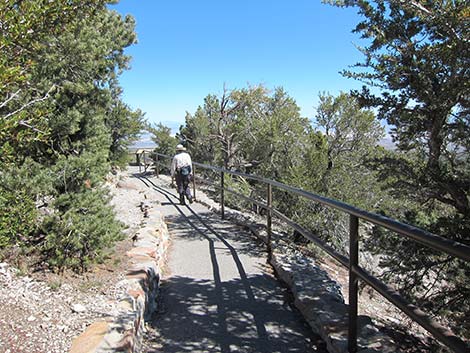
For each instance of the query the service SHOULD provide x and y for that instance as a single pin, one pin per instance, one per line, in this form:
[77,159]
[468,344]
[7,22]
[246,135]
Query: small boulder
[78,308]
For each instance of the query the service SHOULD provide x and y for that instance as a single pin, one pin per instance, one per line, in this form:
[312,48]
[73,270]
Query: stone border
[124,332]
[316,295]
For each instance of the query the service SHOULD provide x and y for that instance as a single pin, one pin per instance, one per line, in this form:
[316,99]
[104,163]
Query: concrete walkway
[218,294]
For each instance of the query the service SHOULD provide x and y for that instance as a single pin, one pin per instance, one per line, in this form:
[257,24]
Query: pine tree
[417,58]
[66,143]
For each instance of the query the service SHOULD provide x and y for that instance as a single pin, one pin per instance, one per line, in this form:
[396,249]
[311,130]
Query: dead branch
[34,101]
[25,124]
[10,98]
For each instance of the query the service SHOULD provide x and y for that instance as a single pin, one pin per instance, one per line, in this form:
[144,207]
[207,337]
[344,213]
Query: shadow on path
[212,319]
[248,312]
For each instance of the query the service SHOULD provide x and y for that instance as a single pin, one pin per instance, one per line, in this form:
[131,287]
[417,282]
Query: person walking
[182,170]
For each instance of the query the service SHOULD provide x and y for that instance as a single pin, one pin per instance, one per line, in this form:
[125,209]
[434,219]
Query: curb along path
[218,294]
[123,332]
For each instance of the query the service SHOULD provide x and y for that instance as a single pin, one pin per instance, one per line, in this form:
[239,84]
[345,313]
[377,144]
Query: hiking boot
[182,200]
[191,200]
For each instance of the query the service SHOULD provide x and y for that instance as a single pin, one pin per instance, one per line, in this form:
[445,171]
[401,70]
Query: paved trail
[218,294]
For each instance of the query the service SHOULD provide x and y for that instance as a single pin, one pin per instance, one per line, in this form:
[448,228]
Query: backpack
[185,171]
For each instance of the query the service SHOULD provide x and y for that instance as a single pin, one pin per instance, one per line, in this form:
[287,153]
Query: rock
[126,185]
[66,287]
[78,308]
[90,339]
[392,319]
[31,318]
[62,328]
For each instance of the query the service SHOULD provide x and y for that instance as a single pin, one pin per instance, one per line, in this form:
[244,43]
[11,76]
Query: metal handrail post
[194,183]
[353,282]
[222,207]
[145,164]
[157,166]
[269,220]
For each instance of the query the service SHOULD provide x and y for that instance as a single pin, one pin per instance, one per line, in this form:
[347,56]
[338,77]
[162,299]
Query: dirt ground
[43,311]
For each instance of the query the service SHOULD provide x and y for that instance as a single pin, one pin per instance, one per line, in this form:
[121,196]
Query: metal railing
[356,273]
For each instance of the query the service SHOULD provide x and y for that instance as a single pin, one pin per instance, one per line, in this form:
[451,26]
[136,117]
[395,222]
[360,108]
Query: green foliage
[82,230]
[333,164]
[437,282]
[62,125]
[247,126]
[196,132]
[352,136]
[17,216]
[278,135]
[417,58]
[262,133]
[25,25]
[308,168]
[240,186]
[20,190]
[27,29]
[125,126]
[218,130]
[166,144]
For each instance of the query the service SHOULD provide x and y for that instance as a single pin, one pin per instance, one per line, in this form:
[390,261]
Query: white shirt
[180,160]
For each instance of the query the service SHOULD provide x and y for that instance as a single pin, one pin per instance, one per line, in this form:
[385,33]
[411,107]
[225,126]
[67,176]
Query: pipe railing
[356,273]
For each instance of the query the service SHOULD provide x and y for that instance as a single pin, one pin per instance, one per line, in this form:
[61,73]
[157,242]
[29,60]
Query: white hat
[180,148]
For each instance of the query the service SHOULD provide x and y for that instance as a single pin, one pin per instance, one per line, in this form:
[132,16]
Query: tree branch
[10,98]
[34,101]
[428,12]
[25,124]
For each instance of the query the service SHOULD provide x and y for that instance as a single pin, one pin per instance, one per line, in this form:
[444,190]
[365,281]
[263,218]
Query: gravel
[42,312]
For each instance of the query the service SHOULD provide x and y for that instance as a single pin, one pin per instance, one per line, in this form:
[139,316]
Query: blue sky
[188,49]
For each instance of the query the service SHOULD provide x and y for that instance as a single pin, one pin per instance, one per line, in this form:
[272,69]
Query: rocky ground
[411,337]
[41,312]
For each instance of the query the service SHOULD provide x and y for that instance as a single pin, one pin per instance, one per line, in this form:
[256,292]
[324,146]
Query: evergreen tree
[125,126]
[196,132]
[277,135]
[352,136]
[63,144]
[217,129]
[345,136]
[166,144]
[418,60]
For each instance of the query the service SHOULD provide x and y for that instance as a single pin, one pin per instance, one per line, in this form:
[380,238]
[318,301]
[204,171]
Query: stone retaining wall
[124,331]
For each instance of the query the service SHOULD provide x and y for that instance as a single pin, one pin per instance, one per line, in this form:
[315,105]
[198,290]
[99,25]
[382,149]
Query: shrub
[17,217]
[81,231]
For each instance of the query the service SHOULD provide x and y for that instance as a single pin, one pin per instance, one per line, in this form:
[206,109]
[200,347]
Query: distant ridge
[144,141]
